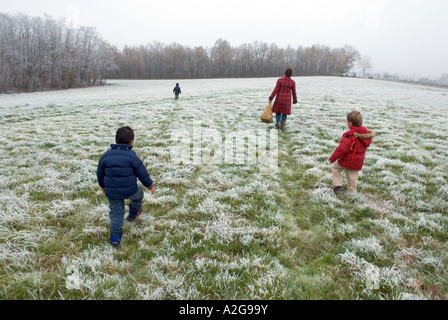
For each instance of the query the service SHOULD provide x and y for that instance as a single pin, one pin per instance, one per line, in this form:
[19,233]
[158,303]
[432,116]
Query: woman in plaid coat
[285,88]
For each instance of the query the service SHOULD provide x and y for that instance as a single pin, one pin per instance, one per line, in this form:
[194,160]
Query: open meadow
[226,229]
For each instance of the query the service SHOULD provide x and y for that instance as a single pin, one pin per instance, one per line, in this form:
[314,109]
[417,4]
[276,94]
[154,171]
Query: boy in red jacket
[349,155]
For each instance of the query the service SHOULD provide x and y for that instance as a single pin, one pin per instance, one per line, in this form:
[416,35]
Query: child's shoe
[133,214]
[337,190]
[115,239]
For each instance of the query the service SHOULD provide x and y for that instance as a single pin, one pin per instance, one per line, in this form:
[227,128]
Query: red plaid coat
[285,88]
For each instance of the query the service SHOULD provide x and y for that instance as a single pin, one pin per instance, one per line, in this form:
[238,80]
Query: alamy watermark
[202,145]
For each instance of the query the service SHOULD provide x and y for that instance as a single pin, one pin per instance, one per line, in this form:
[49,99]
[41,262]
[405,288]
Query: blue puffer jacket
[177,90]
[118,170]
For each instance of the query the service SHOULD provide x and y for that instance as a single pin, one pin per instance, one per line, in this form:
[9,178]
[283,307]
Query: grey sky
[404,37]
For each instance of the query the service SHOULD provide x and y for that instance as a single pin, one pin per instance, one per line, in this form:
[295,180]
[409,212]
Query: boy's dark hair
[124,135]
[355,118]
[288,72]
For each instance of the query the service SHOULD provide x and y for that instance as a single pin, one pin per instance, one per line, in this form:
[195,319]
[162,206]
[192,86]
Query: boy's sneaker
[115,240]
[337,190]
[133,214]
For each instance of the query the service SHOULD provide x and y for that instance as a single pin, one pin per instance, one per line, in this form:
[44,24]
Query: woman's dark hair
[288,72]
[124,135]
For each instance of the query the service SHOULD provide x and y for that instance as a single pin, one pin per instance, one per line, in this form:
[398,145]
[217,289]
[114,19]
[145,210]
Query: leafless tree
[43,53]
[365,63]
[222,56]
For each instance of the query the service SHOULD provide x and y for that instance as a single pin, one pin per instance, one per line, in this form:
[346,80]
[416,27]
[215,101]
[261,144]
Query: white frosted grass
[89,271]
[325,195]
[161,200]
[431,222]
[51,143]
[391,230]
[303,160]
[411,296]
[20,248]
[369,245]
[225,228]
[317,172]
[261,284]
[15,208]
[212,207]
[374,278]
[436,263]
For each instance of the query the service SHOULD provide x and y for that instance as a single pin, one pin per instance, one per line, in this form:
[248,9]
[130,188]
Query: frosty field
[220,230]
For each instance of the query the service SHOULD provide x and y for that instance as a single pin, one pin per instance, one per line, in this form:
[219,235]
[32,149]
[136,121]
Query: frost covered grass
[225,231]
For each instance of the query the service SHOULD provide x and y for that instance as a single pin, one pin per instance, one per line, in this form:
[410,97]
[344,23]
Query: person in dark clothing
[117,173]
[176,91]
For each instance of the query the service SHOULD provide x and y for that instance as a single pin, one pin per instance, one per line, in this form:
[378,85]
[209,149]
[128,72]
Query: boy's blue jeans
[117,210]
[280,117]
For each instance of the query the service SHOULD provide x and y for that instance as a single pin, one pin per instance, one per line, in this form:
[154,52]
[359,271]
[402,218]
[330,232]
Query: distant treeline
[257,59]
[45,54]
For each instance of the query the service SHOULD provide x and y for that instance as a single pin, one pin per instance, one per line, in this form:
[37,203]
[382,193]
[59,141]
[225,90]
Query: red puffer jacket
[351,151]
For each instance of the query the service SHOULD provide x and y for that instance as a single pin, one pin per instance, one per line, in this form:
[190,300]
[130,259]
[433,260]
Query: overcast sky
[404,37]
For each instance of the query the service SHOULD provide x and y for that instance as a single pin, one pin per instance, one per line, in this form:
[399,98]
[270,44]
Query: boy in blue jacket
[117,173]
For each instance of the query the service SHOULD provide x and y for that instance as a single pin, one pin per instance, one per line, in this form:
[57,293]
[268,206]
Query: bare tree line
[258,59]
[44,53]
[41,53]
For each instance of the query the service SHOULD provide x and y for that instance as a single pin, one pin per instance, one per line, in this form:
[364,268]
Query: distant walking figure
[284,90]
[177,91]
